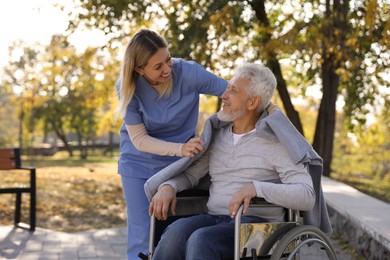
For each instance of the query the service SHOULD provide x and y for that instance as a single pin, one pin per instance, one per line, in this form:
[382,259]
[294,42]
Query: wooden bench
[10,160]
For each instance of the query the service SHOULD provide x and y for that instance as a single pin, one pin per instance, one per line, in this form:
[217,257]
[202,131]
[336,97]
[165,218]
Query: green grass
[62,159]
[374,187]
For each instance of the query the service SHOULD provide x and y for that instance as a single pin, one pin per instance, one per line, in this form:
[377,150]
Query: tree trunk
[61,134]
[259,8]
[82,148]
[335,26]
[292,114]
[326,121]
[21,117]
[68,148]
[110,147]
[80,145]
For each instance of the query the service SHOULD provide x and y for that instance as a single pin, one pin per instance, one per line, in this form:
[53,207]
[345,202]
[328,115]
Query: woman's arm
[145,143]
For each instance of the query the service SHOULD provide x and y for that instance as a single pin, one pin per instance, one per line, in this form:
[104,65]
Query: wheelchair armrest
[192,201]
[260,202]
[193,193]
[290,214]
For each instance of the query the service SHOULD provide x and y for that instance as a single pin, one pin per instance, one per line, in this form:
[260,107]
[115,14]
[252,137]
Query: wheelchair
[271,240]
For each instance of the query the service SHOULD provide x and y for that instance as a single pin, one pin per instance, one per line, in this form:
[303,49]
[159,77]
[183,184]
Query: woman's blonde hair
[143,45]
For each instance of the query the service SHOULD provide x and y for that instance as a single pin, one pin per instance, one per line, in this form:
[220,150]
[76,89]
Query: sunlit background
[69,79]
[36,21]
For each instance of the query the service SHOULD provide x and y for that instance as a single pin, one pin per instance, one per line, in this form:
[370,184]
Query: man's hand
[162,201]
[272,108]
[244,195]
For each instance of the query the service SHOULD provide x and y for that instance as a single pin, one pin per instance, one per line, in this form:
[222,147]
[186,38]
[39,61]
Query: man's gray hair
[262,81]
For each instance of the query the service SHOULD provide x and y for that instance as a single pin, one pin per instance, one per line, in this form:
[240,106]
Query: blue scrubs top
[173,118]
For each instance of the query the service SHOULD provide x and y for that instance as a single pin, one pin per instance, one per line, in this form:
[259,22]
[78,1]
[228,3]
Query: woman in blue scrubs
[159,103]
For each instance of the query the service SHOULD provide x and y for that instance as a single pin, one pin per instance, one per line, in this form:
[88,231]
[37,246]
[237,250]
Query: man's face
[234,100]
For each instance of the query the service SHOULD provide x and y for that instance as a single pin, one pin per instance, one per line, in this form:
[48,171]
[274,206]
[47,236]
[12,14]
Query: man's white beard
[229,117]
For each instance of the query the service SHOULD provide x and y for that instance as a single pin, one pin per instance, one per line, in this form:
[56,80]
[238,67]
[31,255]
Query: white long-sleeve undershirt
[145,143]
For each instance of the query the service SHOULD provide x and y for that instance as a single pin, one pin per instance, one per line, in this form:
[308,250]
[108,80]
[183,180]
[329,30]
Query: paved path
[43,244]
[361,219]
[372,214]
[17,243]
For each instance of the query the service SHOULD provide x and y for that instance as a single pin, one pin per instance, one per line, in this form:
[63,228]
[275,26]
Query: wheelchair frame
[292,237]
[293,232]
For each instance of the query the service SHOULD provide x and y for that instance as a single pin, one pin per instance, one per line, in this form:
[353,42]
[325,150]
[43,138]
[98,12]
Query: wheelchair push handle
[237,224]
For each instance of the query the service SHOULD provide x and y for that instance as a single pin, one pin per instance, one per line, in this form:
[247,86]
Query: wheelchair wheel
[304,242]
[273,239]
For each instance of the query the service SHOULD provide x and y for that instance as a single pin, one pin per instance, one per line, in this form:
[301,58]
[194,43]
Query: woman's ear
[139,71]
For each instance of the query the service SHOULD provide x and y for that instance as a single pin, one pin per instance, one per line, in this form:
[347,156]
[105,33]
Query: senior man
[242,164]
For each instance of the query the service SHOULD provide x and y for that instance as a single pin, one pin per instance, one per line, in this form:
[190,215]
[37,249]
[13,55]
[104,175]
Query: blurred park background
[331,60]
